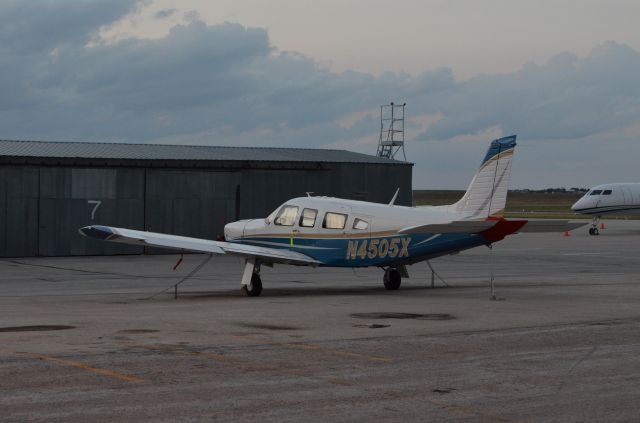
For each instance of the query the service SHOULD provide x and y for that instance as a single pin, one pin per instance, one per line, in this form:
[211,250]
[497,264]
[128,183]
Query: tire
[392,279]
[255,288]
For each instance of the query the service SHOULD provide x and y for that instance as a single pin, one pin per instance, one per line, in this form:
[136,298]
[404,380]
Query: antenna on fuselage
[393,200]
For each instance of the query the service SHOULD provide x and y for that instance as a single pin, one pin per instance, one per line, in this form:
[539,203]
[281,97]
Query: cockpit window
[308,218]
[334,220]
[286,216]
[360,224]
[606,192]
[596,192]
[270,218]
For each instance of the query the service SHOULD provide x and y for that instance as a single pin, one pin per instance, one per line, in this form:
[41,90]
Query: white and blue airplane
[333,232]
[609,200]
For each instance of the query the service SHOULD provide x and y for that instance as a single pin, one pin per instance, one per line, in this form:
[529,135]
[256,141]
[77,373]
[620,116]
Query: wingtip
[96,232]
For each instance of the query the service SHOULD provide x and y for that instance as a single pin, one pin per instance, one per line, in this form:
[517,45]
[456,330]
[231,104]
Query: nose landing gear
[593,230]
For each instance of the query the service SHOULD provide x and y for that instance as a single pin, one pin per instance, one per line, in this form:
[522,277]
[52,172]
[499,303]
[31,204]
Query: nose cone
[575,205]
[234,230]
[581,204]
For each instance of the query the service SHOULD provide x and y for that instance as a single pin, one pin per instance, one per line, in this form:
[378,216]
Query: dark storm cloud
[227,82]
[38,26]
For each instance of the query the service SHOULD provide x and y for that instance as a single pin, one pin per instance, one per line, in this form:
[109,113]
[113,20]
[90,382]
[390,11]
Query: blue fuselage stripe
[374,251]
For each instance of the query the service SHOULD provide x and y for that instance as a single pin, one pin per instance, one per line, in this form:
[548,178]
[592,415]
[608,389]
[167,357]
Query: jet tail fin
[487,193]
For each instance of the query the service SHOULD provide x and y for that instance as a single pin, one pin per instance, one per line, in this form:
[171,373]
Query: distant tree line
[561,190]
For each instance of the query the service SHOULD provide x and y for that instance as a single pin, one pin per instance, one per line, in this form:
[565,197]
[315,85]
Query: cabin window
[334,220]
[286,216]
[596,192]
[308,218]
[606,192]
[360,224]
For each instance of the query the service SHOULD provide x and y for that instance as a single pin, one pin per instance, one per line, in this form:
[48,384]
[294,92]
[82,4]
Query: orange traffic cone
[566,233]
[602,225]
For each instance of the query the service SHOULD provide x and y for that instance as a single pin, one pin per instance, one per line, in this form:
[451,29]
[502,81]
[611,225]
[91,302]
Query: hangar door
[74,197]
[190,203]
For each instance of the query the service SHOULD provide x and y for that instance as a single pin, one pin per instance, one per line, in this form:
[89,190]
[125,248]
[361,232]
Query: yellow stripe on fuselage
[328,236]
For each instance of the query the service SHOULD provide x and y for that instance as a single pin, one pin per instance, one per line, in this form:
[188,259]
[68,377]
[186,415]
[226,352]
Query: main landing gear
[253,289]
[392,278]
[251,283]
[593,230]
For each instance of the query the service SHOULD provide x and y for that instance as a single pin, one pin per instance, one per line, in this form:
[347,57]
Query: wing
[548,225]
[456,226]
[175,242]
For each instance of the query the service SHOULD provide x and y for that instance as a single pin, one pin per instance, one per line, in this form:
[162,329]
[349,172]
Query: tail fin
[487,193]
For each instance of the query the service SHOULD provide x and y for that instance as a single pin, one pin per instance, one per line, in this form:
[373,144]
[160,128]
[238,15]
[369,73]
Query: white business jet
[609,199]
[333,232]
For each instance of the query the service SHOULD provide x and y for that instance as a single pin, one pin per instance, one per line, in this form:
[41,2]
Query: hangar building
[50,189]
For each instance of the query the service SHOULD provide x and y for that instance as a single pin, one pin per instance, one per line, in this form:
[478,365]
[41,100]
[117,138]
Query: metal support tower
[391,131]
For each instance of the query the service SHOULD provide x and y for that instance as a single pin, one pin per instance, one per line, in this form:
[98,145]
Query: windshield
[286,216]
[270,218]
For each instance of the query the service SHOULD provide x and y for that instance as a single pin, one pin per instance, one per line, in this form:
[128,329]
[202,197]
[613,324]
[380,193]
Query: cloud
[165,13]
[565,98]
[227,84]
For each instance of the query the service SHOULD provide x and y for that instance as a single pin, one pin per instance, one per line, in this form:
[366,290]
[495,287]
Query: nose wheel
[593,230]
[392,279]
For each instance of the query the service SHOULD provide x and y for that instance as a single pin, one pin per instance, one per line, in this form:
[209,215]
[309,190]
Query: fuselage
[610,199]
[348,233]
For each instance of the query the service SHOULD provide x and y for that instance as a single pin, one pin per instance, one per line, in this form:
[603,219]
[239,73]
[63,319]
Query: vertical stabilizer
[487,193]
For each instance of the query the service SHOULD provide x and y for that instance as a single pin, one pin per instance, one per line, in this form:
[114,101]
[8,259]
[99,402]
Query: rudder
[487,192]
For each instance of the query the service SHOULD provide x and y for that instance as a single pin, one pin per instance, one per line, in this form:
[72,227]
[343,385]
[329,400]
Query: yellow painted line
[77,365]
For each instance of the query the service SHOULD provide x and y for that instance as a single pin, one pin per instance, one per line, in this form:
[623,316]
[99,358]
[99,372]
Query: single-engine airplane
[608,200]
[333,232]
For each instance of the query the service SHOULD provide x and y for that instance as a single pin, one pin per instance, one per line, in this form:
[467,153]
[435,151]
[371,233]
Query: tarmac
[88,339]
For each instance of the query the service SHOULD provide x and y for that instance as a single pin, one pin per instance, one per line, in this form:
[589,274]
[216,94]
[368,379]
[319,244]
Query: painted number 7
[96,204]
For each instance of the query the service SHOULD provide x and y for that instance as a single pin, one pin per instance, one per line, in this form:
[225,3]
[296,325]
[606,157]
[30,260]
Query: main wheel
[255,287]
[392,279]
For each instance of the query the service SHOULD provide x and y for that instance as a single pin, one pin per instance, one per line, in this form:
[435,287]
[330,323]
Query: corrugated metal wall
[41,208]
[19,187]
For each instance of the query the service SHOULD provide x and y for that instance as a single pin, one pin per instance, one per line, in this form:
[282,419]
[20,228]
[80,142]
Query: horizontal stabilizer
[183,243]
[459,226]
[539,226]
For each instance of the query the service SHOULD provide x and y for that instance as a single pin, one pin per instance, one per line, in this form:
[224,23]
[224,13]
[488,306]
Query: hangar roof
[191,153]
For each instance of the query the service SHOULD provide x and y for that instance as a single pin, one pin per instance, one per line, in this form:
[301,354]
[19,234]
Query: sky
[562,75]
